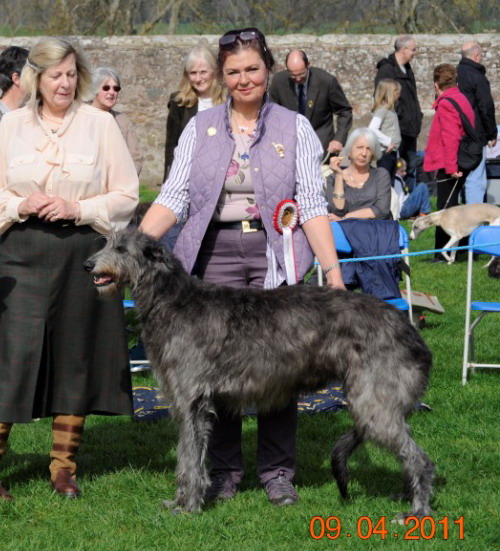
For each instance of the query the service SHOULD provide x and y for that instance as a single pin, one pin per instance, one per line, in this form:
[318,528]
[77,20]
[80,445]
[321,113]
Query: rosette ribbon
[285,221]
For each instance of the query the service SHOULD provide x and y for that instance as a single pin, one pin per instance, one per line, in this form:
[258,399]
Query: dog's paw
[402,518]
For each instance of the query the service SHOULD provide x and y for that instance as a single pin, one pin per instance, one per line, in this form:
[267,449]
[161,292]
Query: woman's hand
[33,204]
[335,164]
[333,217]
[59,209]
[457,174]
[334,279]
[390,148]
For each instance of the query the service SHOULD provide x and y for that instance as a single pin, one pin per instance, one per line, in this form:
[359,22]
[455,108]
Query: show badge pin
[285,221]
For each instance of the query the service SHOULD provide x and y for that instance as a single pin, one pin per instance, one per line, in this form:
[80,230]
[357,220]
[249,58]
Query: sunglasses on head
[107,88]
[244,36]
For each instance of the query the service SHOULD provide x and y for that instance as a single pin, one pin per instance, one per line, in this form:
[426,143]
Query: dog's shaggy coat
[209,343]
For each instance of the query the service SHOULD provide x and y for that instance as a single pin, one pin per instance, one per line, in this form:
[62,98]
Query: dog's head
[123,260]
[494,268]
[419,225]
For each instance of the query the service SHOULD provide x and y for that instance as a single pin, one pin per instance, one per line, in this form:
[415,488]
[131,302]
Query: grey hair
[402,41]
[100,75]
[471,51]
[369,136]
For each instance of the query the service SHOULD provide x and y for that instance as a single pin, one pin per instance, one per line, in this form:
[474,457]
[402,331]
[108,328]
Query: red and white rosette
[285,221]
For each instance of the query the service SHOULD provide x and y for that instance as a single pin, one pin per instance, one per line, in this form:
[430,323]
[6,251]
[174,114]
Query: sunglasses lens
[107,88]
[116,88]
[231,38]
[226,40]
[248,35]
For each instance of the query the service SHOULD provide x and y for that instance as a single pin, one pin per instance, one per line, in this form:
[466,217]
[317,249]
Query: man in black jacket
[317,95]
[397,67]
[473,83]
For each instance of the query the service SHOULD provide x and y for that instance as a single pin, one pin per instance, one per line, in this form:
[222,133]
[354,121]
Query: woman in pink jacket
[444,139]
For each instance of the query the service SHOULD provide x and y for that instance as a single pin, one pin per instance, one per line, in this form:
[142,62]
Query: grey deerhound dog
[247,346]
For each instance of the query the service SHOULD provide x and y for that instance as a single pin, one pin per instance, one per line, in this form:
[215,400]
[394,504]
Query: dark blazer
[325,98]
[408,107]
[472,82]
[177,119]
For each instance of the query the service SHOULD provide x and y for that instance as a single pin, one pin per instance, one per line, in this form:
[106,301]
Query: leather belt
[245,226]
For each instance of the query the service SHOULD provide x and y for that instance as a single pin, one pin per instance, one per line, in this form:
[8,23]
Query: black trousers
[448,195]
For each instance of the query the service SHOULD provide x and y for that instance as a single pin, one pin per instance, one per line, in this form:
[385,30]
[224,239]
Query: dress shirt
[86,161]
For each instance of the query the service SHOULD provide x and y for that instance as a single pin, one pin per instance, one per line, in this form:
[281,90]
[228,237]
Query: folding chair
[401,303]
[343,246]
[479,242]
[136,364]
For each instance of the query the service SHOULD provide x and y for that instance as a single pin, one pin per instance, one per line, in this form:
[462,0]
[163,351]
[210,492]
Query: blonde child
[385,123]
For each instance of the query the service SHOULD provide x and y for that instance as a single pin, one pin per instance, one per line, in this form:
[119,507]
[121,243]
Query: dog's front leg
[192,476]
[451,243]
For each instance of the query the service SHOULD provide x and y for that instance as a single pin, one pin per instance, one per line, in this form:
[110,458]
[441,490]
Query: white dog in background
[457,222]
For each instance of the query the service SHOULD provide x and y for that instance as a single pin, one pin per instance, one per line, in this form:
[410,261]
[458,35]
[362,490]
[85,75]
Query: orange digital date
[424,528]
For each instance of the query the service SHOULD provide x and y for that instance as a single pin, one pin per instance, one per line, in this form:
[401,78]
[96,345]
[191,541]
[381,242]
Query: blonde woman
[385,123]
[66,177]
[199,89]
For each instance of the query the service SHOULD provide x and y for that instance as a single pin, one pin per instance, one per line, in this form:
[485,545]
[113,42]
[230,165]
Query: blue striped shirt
[309,190]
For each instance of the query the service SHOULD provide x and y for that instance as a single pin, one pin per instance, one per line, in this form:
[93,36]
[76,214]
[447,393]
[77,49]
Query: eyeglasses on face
[244,36]
[107,88]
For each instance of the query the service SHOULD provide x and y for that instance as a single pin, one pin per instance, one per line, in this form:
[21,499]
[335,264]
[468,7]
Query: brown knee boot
[66,434]
[4,436]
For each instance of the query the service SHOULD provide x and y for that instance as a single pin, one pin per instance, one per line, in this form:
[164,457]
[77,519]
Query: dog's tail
[343,448]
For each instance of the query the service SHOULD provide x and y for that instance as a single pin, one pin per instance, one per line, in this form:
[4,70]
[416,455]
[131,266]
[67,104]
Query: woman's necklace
[357,181]
[53,123]
[243,130]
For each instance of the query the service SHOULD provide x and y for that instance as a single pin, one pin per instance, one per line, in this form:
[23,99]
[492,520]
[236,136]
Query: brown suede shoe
[4,494]
[65,485]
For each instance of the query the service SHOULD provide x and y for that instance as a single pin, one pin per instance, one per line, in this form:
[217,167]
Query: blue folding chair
[140,363]
[343,246]
[480,242]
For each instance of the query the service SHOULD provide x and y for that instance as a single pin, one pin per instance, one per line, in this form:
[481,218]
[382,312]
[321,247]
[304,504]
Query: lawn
[126,468]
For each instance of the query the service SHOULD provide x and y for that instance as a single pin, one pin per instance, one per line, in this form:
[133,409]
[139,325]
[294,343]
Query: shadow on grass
[113,444]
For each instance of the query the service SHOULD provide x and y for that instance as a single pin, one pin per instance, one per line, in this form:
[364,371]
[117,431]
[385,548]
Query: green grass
[126,468]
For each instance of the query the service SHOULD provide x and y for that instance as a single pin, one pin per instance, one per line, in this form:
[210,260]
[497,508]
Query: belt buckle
[245,227]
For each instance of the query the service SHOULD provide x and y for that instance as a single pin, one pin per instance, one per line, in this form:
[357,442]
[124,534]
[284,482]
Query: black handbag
[470,150]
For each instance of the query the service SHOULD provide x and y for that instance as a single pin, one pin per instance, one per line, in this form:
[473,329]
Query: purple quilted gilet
[273,178]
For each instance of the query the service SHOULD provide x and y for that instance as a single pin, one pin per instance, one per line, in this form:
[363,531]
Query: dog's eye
[121,249]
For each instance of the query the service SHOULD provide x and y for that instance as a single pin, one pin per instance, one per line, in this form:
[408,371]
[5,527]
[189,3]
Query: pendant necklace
[242,130]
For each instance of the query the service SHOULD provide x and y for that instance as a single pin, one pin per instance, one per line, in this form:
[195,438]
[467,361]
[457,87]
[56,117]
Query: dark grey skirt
[62,348]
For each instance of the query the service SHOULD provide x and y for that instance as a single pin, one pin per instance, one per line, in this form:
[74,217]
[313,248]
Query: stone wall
[151,66]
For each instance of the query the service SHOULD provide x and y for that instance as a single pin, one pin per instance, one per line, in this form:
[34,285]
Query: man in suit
[397,67]
[473,83]
[316,94]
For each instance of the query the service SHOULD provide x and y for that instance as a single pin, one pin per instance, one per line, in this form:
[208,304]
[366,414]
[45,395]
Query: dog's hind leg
[195,423]
[419,472]
[341,452]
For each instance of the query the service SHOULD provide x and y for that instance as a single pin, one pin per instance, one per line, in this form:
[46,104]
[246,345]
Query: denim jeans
[417,202]
[476,182]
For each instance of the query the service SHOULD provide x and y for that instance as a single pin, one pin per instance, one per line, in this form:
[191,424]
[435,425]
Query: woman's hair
[100,75]
[12,61]
[369,136]
[46,54]
[239,43]
[385,93]
[445,76]
[186,96]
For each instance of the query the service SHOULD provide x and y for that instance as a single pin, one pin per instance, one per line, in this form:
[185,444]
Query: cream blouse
[86,161]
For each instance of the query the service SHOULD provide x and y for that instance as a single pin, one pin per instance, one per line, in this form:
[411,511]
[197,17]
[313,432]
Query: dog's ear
[154,252]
